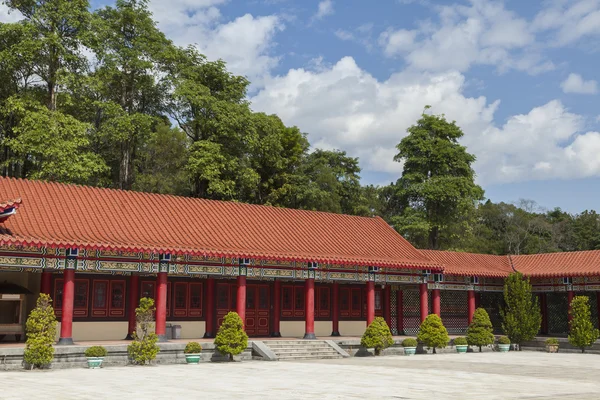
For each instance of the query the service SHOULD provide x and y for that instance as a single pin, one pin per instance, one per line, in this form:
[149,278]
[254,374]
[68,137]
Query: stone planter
[192,358]
[409,351]
[552,348]
[461,348]
[504,348]
[94,362]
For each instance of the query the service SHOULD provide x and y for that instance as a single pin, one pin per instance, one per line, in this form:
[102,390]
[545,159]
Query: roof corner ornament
[9,208]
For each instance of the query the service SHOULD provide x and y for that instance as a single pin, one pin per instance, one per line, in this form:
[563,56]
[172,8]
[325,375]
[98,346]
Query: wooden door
[226,299]
[258,307]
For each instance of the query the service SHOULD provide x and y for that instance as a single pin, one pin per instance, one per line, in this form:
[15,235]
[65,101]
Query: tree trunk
[125,167]
[434,234]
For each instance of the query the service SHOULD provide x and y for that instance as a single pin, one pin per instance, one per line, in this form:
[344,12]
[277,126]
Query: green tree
[41,331]
[437,182]
[377,336]
[231,338]
[130,52]
[582,333]
[521,316]
[480,332]
[144,349]
[54,145]
[433,333]
[56,28]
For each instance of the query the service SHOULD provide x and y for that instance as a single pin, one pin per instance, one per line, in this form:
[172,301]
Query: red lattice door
[226,299]
[257,310]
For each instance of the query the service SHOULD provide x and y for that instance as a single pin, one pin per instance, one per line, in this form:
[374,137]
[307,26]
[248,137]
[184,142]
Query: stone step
[299,351]
[303,357]
[314,346]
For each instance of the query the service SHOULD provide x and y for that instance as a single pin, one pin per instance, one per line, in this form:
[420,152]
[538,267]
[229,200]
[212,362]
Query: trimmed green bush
[41,331]
[480,332]
[552,342]
[582,333]
[231,338]
[460,341]
[192,348]
[377,336]
[521,317]
[144,349]
[503,340]
[433,333]
[96,351]
[409,342]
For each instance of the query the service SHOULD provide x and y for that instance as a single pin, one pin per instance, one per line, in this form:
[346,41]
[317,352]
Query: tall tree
[129,51]
[56,28]
[521,317]
[437,182]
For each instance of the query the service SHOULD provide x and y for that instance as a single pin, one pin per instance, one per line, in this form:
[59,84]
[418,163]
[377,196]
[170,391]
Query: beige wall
[352,328]
[28,280]
[296,328]
[190,329]
[117,330]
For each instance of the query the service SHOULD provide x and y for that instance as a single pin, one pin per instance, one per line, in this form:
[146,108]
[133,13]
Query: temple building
[290,273]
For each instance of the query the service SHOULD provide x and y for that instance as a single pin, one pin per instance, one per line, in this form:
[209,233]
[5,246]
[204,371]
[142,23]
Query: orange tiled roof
[575,263]
[470,264]
[59,215]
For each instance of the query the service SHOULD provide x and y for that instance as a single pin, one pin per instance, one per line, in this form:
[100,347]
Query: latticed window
[454,311]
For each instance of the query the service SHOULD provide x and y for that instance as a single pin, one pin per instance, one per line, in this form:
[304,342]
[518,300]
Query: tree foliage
[521,316]
[437,183]
[433,333]
[231,338]
[582,333]
[377,336]
[480,332]
[144,349]
[41,332]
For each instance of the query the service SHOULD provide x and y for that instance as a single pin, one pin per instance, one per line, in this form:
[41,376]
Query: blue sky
[520,78]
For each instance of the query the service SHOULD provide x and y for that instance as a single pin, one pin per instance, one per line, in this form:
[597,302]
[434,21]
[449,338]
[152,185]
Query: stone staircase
[304,349]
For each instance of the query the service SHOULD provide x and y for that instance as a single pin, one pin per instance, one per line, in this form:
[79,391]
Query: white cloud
[245,43]
[342,106]
[569,21]
[484,32]
[343,34]
[576,84]
[7,15]
[325,9]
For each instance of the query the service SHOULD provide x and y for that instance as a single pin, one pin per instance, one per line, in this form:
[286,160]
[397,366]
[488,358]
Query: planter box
[461,348]
[552,348]
[504,348]
[94,362]
[409,351]
[192,358]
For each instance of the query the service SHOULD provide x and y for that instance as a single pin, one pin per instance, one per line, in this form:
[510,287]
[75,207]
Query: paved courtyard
[516,375]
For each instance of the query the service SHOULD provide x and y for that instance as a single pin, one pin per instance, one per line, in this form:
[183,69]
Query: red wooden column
[277,309]
[134,297]
[471,305]
[570,295]
[240,306]
[45,282]
[66,321]
[161,306]
[209,332]
[370,302]
[387,306]
[309,312]
[435,299]
[399,312]
[424,305]
[335,309]
[544,310]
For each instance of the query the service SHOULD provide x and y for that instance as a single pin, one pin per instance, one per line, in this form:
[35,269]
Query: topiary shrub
[582,332]
[552,342]
[96,351]
[192,348]
[144,349]
[433,333]
[480,332]
[231,338]
[409,342]
[41,331]
[503,340]
[460,341]
[521,318]
[377,336]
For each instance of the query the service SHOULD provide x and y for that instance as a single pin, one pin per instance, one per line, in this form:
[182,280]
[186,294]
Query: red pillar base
[210,309]
[66,322]
[335,320]
[277,309]
[161,307]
